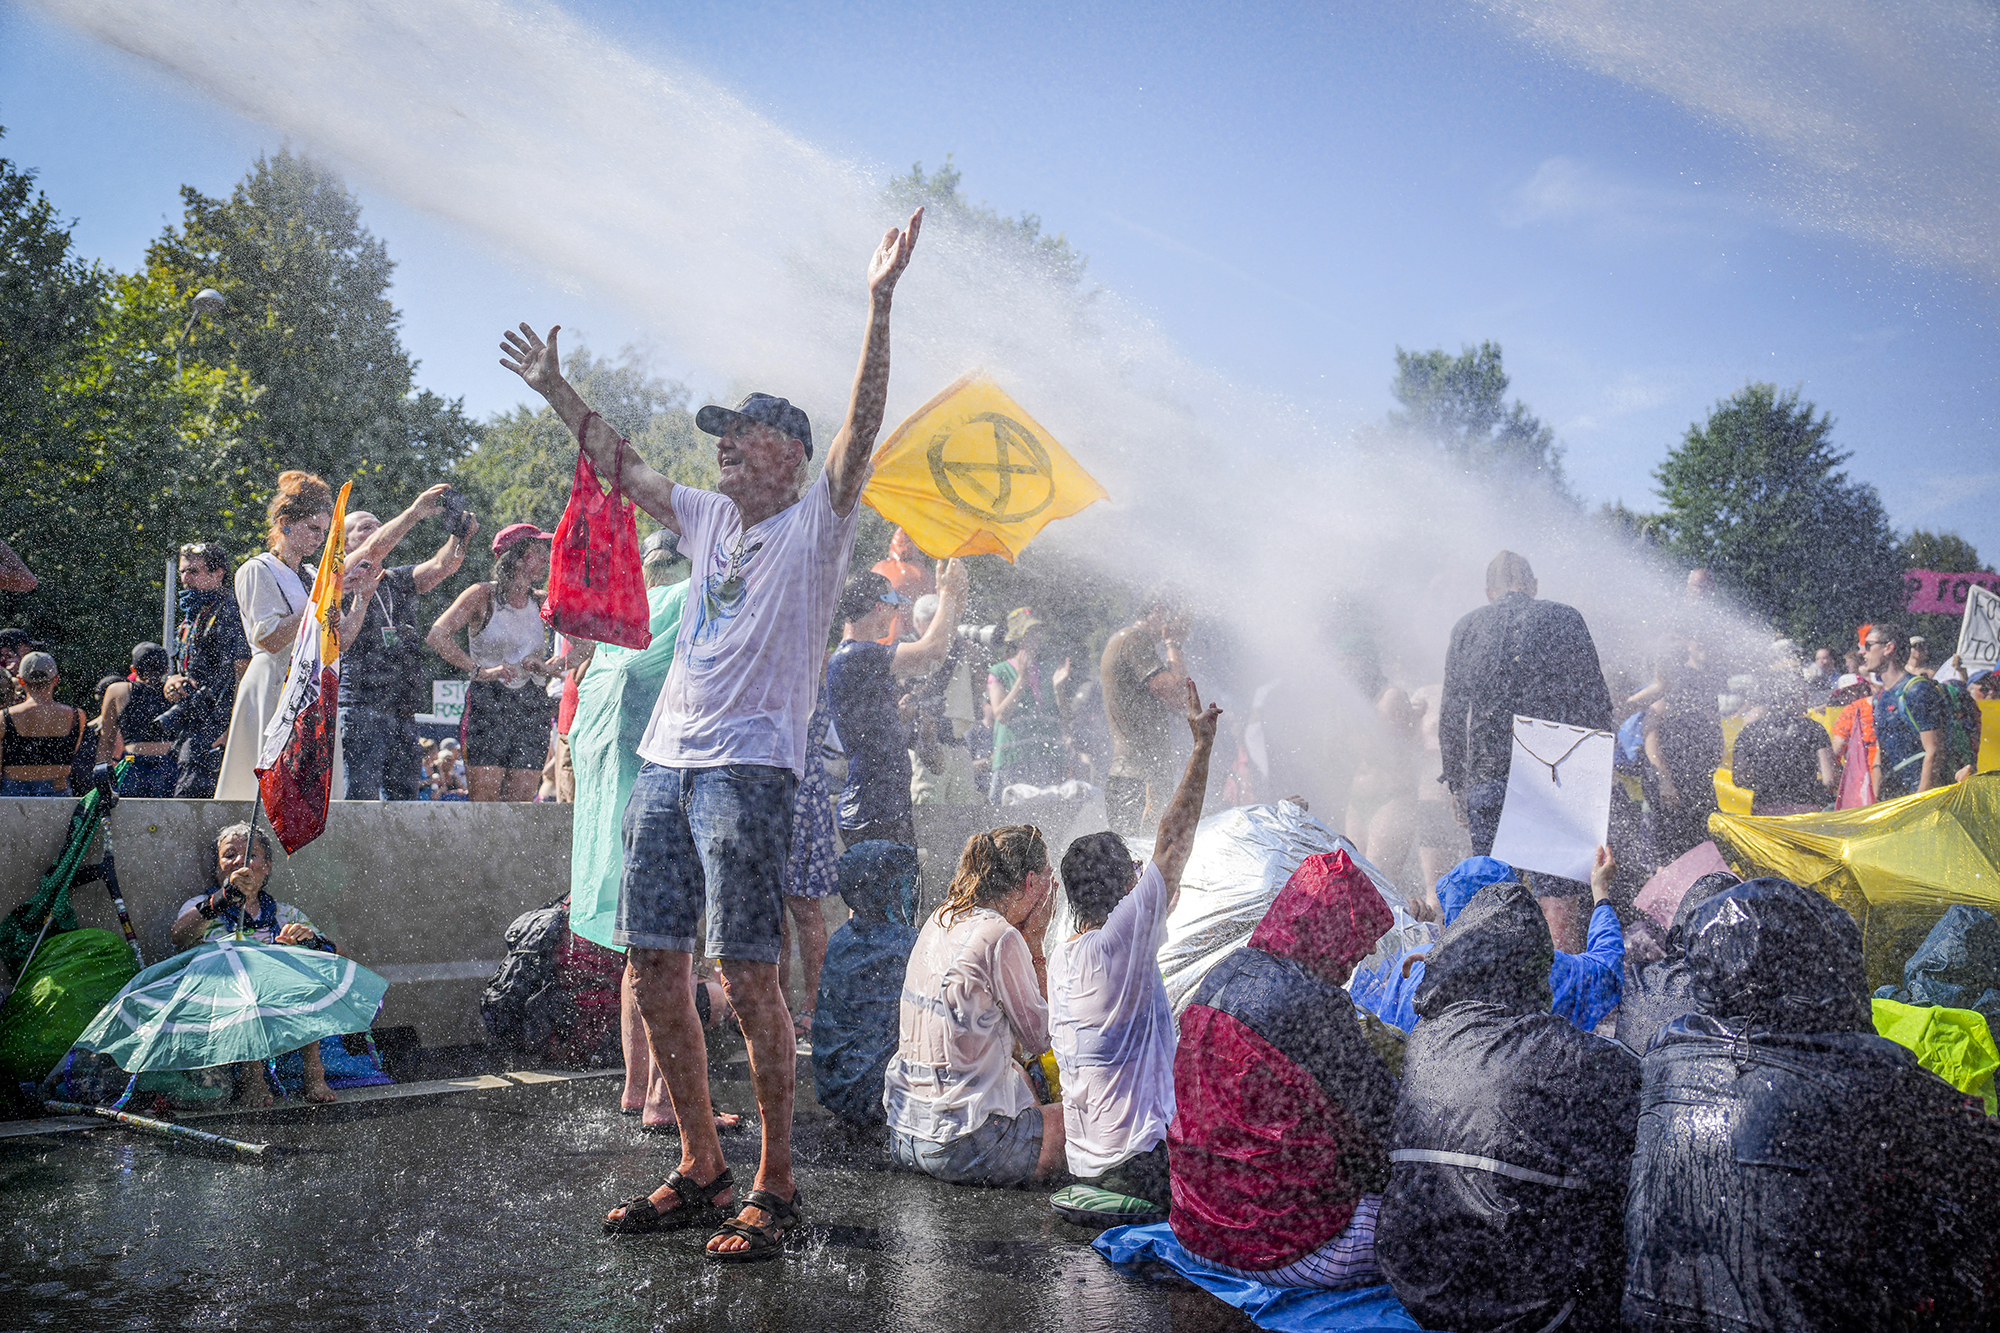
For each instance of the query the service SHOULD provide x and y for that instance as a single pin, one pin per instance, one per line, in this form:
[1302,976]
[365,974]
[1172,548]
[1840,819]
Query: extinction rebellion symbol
[1016,453]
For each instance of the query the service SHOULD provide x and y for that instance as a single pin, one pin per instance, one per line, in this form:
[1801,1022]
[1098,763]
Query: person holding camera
[213,655]
[382,676]
[237,905]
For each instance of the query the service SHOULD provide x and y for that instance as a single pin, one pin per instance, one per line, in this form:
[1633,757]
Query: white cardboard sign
[1979,631]
[1558,808]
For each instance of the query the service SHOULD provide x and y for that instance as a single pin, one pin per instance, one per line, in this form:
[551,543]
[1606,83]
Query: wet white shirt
[760,601]
[1113,1032]
[969,997]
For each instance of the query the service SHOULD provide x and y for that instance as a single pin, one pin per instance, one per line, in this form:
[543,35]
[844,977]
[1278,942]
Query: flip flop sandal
[766,1241]
[696,1208]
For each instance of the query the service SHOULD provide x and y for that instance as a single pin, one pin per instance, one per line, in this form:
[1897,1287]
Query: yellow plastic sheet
[1895,866]
[971,473]
[1955,1044]
[1989,735]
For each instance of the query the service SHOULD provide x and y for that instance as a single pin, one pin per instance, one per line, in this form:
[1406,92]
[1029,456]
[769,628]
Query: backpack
[523,1005]
[1962,735]
[1958,746]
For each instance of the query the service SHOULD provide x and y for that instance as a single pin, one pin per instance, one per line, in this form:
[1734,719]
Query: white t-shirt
[969,997]
[760,602]
[1113,1032]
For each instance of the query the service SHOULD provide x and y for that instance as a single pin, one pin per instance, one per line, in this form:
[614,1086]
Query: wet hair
[1509,572]
[300,496]
[1097,871]
[993,865]
[1894,634]
[209,555]
[256,836]
[508,561]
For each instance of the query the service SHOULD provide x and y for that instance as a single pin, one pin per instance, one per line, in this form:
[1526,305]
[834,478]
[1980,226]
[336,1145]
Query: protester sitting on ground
[1112,1028]
[273,590]
[128,727]
[507,707]
[856,1010]
[1027,711]
[709,821]
[1793,1169]
[39,737]
[861,686]
[383,684]
[1585,986]
[959,1105]
[1656,993]
[1512,1140]
[1783,757]
[451,771]
[213,655]
[237,905]
[1279,1144]
[1142,699]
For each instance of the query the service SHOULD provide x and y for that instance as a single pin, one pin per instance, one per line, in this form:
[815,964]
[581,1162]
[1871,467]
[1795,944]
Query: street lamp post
[207,301]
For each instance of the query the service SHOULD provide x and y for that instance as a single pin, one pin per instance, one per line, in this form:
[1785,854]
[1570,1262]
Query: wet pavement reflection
[480,1210]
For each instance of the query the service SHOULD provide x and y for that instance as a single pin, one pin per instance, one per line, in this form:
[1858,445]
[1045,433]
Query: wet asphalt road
[480,1210]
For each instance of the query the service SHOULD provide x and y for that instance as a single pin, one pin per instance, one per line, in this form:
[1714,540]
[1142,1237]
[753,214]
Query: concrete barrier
[421,892]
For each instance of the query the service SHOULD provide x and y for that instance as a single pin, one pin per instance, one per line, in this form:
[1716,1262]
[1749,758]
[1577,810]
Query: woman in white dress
[272,590]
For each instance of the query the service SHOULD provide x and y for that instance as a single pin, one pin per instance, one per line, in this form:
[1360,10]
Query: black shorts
[506,728]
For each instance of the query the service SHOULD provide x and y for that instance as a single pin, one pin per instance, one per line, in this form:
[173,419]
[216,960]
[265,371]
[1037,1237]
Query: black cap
[20,638]
[863,591]
[761,407]
[149,659]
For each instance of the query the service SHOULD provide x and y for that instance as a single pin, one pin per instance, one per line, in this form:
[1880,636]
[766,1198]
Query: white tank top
[513,635]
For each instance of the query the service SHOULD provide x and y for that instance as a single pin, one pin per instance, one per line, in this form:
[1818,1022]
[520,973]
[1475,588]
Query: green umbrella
[230,1001]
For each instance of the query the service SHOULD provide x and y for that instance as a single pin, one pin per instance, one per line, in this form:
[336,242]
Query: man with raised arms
[709,820]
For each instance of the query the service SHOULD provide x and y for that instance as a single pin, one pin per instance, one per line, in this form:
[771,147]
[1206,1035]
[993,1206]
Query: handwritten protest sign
[1558,807]
[1979,631]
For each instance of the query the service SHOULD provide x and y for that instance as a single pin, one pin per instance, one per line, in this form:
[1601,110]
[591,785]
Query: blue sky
[1288,195]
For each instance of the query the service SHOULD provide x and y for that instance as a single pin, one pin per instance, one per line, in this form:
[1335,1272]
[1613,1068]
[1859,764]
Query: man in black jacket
[1514,655]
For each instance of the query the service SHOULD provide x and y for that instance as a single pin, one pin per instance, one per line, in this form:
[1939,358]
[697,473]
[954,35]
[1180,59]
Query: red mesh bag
[596,590]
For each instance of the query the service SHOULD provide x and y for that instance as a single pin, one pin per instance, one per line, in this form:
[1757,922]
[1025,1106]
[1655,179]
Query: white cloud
[1875,120]
[1564,190]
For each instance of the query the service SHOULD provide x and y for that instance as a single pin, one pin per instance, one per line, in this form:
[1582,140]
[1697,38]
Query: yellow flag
[326,583]
[971,473]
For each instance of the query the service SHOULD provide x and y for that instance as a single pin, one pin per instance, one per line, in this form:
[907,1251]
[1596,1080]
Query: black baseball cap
[863,591]
[150,659]
[20,638]
[760,407]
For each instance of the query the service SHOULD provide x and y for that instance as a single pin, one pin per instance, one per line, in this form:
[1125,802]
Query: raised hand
[891,258]
[537,361]
[1201,721]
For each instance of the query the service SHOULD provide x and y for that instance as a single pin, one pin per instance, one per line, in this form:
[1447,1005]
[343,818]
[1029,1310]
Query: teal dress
[613,705]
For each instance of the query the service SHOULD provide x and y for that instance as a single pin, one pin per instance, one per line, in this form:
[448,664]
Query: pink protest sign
[1928,590]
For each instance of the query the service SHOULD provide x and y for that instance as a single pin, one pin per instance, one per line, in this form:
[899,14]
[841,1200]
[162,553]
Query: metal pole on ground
[159,1127]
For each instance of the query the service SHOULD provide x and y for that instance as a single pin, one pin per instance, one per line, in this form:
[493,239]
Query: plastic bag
[74,974]
[596,589]
[1954,1044]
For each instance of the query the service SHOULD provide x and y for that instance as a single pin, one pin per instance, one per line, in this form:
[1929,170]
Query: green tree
[105,444]
[1458,404]
[950,213]
[310,321]
[1948,553]
[1755,493]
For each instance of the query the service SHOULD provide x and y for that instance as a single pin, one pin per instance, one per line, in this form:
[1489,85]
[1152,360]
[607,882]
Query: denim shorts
[708,840]
[1001,1152]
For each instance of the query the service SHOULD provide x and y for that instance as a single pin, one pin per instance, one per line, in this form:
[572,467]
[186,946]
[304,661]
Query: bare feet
[319,1092]
[251,1088]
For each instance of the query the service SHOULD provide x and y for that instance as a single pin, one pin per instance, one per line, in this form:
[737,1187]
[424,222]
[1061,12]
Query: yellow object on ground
[1895,866]
[1989,735]
[971,473]
[1730,798]
[1955,1044]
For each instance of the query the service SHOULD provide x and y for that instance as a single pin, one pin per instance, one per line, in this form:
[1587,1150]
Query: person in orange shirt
[1854,697]
[911,574]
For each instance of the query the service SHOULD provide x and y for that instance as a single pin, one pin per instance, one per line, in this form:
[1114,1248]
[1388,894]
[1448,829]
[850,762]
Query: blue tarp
[1283,1309]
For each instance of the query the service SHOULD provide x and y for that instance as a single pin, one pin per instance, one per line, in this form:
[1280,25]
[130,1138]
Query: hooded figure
[1957,965]
[1512,1140]
[1657,993]
[861,984]
[1585,985]
[1793,1170]
[1278,1148]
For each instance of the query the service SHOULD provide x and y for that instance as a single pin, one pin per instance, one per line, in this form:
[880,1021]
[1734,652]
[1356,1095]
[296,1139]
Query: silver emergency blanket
[1241,858]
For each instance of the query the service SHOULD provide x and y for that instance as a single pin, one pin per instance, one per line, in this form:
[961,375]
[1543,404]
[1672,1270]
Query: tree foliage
[948,211]
[1458,404]
[310,321]
[1756,494]
[1946,552]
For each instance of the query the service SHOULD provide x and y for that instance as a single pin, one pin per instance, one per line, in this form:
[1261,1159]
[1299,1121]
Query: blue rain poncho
[861,985]
[1586,985]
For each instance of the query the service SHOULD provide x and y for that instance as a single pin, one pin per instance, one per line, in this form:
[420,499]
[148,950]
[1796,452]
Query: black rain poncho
[1794,1170]
[1511,1142]
[1657,993]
